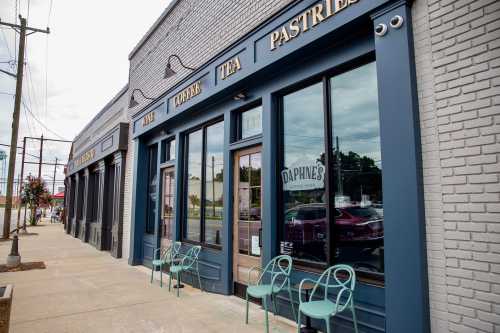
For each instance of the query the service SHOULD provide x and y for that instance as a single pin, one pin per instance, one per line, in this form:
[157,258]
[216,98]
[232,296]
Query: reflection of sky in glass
[194,155]
[215,149]
[303,126]
[355,112]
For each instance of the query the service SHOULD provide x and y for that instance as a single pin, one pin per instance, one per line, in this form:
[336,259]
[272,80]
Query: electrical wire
[41,123]
[7,45]
[47,60]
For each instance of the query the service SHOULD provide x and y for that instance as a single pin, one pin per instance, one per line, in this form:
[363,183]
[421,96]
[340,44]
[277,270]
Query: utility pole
[41,159]
[54,178]
[21,186]
[15,121]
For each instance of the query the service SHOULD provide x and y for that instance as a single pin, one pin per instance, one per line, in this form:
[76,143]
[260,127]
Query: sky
[71,73]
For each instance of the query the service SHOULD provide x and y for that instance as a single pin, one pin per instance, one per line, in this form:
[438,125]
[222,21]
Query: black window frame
[324,79]
[185,180]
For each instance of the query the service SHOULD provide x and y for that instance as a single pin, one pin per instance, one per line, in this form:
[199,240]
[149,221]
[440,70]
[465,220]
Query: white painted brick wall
[457,45]
[112,114]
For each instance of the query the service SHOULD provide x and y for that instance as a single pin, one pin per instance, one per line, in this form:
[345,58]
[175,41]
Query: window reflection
[194,168]
[214,163]
[357,169]
[302,175]
[250,122]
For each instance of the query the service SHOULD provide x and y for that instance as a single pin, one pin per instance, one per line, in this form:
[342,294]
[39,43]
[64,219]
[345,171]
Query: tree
[35,194]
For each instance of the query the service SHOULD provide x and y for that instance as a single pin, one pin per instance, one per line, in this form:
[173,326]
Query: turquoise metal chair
[184,263]
[278,269]
[162,257]
[339,278]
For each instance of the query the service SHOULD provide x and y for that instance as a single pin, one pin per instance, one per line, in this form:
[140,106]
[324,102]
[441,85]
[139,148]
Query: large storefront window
[357,164]
[342,222]
[303,173]
[152,184]
[194,169]
[205,185]
[214,163]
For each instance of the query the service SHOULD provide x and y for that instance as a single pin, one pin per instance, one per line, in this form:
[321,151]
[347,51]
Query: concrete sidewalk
[84,290]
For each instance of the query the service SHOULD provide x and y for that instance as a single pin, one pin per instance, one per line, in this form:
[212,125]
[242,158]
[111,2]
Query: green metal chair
[164,256]
[187,262]
[278,269]
[340,278]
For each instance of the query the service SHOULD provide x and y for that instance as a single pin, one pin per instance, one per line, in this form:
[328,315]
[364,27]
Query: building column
[84,224]
[406,290]
[117,204]
[76,206]
[97,239]
[67,200]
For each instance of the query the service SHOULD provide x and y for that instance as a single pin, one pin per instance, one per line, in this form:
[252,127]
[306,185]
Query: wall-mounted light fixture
[169,72]
[381,30]
[396,22]
[133,103]
[241,96]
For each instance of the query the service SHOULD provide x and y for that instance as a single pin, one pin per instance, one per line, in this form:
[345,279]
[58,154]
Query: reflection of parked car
[355,225]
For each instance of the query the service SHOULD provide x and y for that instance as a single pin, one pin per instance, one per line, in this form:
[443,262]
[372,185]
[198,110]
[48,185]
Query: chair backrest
[280,265]
[171,252]
[339,278]
[191,256]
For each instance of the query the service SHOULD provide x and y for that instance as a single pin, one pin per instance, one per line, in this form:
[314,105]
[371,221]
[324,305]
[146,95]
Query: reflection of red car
[355,224]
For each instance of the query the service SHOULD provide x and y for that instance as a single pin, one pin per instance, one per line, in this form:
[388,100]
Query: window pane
[359,231]
[214,164]
[251,122]
[171,147]
[152,183]
[194,167]
[303,175]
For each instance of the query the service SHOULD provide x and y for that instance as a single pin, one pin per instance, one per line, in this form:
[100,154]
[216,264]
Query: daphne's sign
[308,19]
[304,177]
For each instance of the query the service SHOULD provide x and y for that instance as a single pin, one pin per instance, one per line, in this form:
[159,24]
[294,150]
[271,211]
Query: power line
[7,44]
[41,123]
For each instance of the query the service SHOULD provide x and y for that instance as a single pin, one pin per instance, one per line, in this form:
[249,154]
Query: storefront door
[247,234]
[168,204]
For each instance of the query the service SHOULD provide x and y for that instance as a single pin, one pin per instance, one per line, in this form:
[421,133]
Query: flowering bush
[35,194]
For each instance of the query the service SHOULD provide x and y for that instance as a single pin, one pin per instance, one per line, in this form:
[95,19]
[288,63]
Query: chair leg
[298,323]
[178,283]
[273,298]
[152,270]
[169,280]
[293,306]
[246,316]
[264,301]
[354,320]
[161,276]
[327,321]
[199,280]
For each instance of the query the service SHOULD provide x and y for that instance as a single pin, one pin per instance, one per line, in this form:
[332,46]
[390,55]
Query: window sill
[376,280]
[203,245]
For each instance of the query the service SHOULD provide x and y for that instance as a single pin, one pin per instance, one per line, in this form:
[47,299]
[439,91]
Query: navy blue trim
[407,304]
[255,55]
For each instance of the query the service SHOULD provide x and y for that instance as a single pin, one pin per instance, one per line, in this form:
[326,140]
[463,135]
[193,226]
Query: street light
[169,72]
